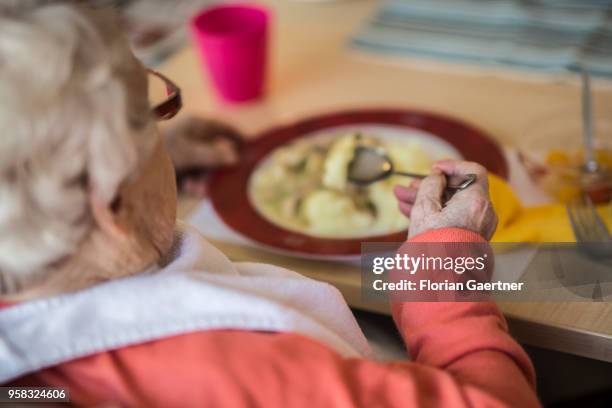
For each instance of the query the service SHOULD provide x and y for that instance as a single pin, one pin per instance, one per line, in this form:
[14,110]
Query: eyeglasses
[172,104]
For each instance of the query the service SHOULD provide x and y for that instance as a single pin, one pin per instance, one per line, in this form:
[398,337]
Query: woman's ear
[105,215]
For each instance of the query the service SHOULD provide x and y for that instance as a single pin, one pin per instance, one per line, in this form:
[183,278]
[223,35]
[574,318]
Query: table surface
[311,71]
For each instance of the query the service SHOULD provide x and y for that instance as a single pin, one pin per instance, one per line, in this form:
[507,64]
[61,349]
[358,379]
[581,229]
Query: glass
[233,41]
[552,151]
[167,93]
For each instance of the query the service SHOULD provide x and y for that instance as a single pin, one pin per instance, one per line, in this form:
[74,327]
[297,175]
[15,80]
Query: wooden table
[312,72]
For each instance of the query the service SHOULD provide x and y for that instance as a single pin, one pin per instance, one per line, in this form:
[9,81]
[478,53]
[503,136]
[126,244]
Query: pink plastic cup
[232,40]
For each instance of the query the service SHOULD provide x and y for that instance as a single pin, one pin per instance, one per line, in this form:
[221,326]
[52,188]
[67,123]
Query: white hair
[73,120]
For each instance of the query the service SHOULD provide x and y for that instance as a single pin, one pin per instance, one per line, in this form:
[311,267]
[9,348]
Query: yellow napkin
[548,223]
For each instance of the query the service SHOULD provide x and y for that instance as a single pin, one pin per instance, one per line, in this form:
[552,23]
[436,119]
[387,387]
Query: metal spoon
[371,164]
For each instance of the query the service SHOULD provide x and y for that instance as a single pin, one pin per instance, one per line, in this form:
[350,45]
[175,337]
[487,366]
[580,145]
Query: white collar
[200,289]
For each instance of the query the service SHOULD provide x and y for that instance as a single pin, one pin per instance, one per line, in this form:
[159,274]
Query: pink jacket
[462,356]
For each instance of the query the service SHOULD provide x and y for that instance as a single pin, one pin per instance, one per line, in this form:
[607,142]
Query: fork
[589,228]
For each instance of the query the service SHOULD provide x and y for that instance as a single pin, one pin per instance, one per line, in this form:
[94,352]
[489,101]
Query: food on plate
[303,186]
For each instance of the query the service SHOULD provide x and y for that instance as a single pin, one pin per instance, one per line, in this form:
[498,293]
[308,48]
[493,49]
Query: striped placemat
[541,35]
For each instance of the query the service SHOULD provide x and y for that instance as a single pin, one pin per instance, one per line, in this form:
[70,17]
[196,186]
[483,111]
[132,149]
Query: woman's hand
[471,209]
[197,145]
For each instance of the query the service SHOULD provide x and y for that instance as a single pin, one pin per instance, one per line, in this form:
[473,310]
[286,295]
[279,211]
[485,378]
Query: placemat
[554,36]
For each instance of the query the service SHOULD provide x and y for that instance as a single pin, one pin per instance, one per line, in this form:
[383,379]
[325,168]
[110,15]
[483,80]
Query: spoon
[371,164]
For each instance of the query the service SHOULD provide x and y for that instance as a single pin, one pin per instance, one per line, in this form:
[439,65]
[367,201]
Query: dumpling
[388,216]
[409,157]
[332,213]
[335,168]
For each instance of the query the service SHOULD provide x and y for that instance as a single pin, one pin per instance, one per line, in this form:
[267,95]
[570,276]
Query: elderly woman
[104,295]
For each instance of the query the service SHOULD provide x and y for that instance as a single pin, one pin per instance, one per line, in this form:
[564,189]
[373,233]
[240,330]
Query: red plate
[229,187]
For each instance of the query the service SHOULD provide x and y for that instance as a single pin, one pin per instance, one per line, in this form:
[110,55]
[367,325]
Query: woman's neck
[97,260]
